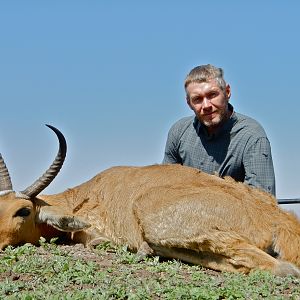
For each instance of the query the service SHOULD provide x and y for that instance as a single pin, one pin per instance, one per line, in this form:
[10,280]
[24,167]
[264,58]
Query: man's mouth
[209,114]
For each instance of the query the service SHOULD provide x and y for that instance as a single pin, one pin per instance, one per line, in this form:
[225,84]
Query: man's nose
[206,103]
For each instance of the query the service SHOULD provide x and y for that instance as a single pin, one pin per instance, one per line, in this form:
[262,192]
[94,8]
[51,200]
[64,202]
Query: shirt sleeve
[171,155]
[258,164]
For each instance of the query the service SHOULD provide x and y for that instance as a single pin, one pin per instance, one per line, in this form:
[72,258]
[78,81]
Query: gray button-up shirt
[240,149]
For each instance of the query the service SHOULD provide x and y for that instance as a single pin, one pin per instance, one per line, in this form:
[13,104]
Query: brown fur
[179,212]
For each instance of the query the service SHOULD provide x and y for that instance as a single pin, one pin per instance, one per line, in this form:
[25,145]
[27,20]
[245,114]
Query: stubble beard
[217,121]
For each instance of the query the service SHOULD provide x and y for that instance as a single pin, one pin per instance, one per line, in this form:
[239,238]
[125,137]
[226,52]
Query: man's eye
[23,212]
[212,95]
[197,100]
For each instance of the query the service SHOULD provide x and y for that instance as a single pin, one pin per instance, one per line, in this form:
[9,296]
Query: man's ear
[62,222]
[228,91]
[188,102]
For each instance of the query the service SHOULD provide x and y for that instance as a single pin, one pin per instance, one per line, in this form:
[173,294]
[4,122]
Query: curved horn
[52,171]
[5,182]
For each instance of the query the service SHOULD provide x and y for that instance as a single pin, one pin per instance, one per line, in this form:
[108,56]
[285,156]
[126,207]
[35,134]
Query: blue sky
[109,75]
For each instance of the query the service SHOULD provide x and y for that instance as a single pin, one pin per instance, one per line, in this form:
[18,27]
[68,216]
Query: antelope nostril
[3,246]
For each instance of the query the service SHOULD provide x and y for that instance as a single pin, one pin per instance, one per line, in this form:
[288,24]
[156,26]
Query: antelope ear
[63,222]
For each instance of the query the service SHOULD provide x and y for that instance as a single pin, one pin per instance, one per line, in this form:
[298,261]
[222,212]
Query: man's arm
[258,164]
[171,155]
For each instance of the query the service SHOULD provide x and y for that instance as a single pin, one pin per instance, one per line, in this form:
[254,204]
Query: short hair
[206,73]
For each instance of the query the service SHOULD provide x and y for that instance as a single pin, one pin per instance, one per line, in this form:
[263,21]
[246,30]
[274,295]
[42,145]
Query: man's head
[207,94]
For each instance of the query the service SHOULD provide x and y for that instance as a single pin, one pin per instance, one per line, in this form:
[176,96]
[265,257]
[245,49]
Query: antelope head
[23,216]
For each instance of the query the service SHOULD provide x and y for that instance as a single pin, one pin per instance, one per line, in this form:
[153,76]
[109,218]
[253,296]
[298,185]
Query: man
[217,139]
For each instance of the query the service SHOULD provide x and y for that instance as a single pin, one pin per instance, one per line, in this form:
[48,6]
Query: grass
[107,272]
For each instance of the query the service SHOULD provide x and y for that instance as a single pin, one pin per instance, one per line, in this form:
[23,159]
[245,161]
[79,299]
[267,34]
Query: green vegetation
[107,272]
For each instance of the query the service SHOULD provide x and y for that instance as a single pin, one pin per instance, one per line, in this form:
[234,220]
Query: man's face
[209,102]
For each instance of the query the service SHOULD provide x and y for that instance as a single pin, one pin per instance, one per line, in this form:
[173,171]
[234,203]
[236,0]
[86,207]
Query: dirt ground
[110,259]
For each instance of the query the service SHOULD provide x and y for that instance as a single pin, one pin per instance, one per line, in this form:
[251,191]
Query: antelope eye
[23,212]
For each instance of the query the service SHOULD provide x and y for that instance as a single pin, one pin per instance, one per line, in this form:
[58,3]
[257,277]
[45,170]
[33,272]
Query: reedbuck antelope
[167,210]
